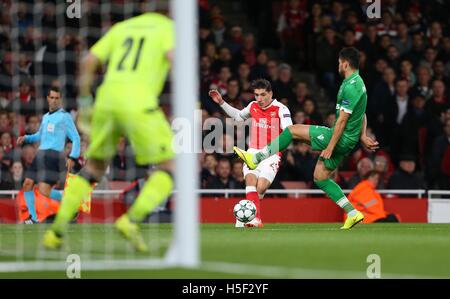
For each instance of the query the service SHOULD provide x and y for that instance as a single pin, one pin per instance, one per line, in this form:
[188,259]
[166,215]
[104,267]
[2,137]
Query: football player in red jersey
[269,119]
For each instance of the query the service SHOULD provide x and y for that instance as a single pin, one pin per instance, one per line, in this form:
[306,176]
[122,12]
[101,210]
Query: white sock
[352,213]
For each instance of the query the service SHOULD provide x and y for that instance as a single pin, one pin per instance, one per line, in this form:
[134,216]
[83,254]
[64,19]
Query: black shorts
[49,166]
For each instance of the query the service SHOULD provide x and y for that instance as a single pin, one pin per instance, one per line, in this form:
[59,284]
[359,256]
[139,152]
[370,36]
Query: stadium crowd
[405,63]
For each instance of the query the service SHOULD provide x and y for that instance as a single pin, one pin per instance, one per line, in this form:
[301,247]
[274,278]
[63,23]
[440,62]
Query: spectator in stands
[244,77]
[249,52]
[402,41]
[434,35]
[385,42]
[327,47]
[362,169]
[17,175]
[381,97]
[224,147]
[428,58]
[233,96]
[5,124]
[393,55]
[444,53]
[313,28]
[410,131]
[407,73]
[223,180]
[369,42]
[208,171]
[32,124]
[312,116]
[210,51]
[220,83]
[300,162]
[290,29]
[368,201]
[27,156]
[236,41]
[6,79]
[422,86]
[438,100]
[206,75]
[244,83]
[25,102]
[381,167]
[272,70]
[439,72]
[406,177]
[439,161]
[337,15]
[283,87]
[218,29]
[417,49]
[299,117]
[349,39]
[205,37]
[237,174]
[330,119]
[6,142]
[395,111]
[301,92]
[224,60]
[259,69]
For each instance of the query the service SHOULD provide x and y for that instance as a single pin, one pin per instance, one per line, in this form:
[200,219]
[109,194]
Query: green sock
[78,188]
[157,188]
[335,193]
[279,144]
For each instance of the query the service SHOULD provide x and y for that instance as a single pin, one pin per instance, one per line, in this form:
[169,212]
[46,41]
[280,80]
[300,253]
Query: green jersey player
[334,143]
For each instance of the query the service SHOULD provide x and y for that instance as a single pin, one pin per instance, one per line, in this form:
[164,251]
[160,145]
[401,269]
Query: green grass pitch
[276,251]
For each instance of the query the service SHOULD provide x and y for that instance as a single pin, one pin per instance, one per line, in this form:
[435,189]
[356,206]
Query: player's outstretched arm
[236,114]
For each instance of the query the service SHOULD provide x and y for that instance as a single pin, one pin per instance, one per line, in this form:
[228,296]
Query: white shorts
[267,169]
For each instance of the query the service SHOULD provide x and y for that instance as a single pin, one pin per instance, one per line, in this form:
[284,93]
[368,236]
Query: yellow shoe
[51,240]
[130,231]
[246,157]
[352,221]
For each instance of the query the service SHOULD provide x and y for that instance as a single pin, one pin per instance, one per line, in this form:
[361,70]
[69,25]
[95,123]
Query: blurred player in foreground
[138,51]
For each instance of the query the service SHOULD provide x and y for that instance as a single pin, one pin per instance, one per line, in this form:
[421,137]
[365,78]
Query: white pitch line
[221,267]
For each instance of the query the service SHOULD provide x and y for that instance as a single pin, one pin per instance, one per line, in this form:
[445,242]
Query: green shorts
[148,132]
[320,137]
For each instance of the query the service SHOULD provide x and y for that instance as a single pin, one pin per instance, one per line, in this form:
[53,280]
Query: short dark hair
[261,84]
[351,55]
[54,88]
[371,173]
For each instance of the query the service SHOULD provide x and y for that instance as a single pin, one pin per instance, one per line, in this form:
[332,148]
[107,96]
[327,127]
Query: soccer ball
[245,210]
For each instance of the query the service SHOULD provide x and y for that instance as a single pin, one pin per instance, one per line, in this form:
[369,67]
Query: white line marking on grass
[288,272]
[211,266]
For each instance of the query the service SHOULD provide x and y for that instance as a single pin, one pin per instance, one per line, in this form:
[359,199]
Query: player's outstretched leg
[277,145]
[79,188]
[246,157]
[157,188]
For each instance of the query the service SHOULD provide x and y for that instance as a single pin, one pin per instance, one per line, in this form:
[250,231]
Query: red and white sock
[252,195]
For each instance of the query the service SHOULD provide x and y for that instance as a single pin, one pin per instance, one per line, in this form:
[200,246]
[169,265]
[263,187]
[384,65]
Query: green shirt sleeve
[350,97]
[103,47]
